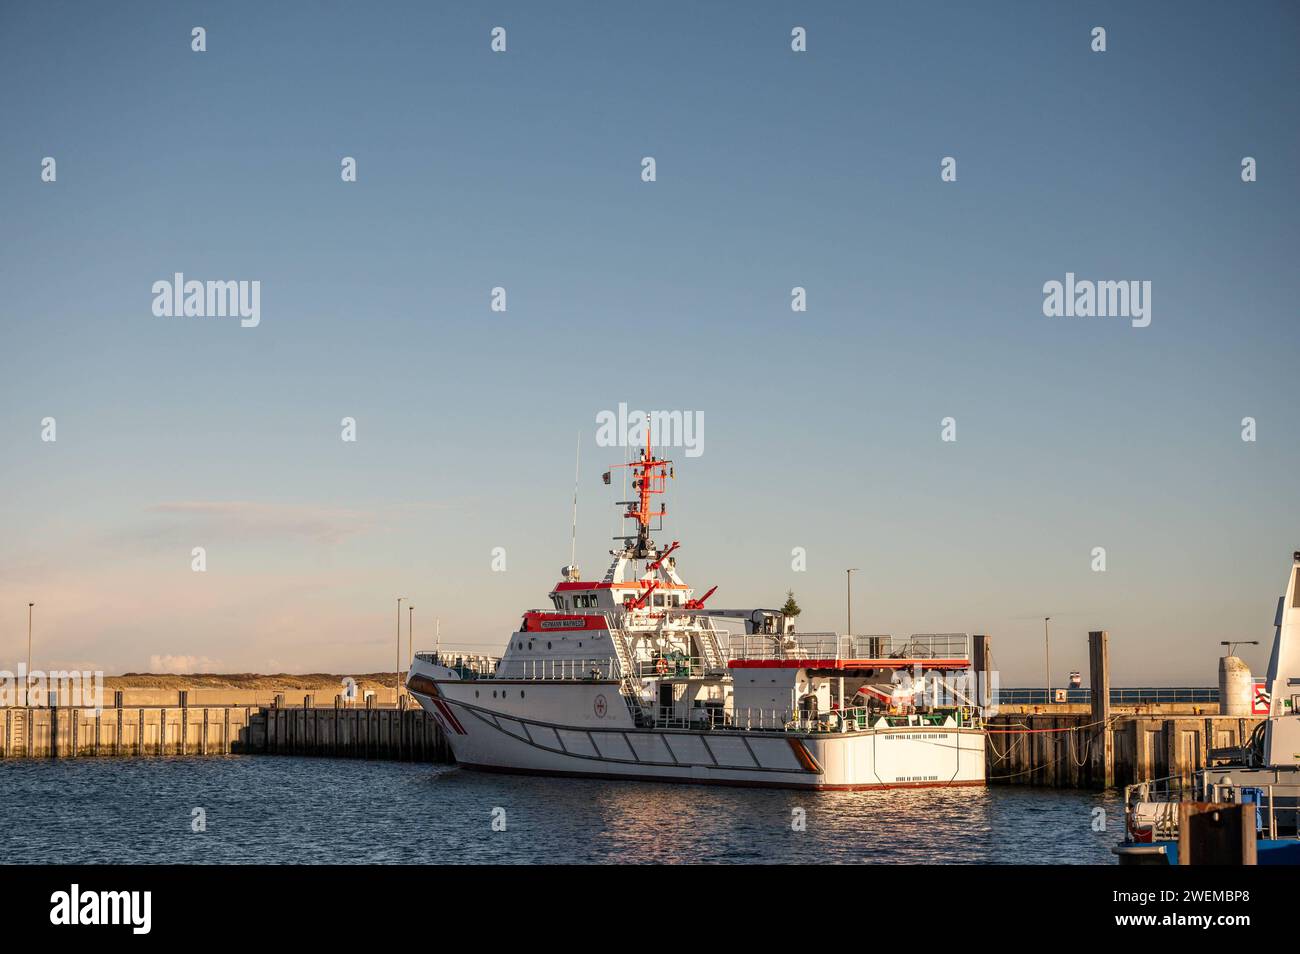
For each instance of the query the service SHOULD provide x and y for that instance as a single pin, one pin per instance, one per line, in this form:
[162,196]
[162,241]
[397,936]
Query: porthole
[521,693]
[475,693]
[548,645]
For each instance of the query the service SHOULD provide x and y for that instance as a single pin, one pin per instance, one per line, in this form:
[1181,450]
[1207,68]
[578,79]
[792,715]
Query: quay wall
[64,732]
[1070,751]
[254,698]
[1042,745]
[405,733]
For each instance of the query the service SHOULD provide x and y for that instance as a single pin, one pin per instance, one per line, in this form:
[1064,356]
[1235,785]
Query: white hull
[500,725]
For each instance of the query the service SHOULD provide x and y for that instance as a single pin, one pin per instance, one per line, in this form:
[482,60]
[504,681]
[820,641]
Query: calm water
[273,809]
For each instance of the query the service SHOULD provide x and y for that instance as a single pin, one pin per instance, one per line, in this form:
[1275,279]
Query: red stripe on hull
[450,716]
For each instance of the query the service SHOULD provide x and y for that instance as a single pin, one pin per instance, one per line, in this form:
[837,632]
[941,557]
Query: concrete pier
[131,728]
[135,731]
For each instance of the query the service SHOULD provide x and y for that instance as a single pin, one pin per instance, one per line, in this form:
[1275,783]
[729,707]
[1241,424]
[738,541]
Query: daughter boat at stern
[632,678]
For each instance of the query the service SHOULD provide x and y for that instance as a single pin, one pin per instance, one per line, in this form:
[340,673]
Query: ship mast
[649,476]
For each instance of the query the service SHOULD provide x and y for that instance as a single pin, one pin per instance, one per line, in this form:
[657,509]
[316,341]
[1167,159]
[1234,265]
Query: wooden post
[1216,834]
[980,667]
[1103,745]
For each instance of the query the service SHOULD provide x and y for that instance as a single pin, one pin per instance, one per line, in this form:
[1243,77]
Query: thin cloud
[183,665]
[252,520]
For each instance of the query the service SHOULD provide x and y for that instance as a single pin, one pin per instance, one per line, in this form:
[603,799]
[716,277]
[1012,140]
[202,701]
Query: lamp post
[1233,644]
[1047,657]
[398,694]
[410,637]
[27,677]
[848,582]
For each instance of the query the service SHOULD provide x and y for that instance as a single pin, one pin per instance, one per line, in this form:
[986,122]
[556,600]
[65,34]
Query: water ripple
[270,810]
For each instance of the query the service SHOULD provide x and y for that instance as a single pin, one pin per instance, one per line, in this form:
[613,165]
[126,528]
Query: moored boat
[1265,772]
[635,677]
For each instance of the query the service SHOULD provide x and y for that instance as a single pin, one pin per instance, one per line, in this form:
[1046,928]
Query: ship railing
[932,646]
[1151,807]
[849,719]
[469,665]
[671,666]
[755,719]
[680,619]
[837,646]
[568,670]
[859,718]
[783,720]
[716,718]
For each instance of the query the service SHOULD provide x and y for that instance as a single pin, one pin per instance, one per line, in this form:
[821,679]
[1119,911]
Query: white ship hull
[504,726]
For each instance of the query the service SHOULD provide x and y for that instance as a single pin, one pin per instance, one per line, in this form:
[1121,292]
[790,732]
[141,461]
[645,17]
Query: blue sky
[522,170]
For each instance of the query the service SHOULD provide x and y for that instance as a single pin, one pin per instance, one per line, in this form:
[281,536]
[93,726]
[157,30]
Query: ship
[1264,773]
[636,677]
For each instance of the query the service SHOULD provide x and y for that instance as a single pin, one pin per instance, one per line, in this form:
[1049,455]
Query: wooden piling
[1216,834]
[1101,736]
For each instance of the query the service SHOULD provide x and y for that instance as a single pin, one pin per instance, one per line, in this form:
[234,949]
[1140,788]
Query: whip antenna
[573,538]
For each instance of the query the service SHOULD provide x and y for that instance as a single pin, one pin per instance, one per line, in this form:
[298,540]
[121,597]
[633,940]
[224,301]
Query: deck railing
[856,718]
[469,665]
[561,669]
[1151,807]
[670,666]
[836,646]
